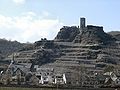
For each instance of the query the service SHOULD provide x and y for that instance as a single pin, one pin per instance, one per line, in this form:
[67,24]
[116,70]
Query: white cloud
[45,13]
[28,27]
[19,1]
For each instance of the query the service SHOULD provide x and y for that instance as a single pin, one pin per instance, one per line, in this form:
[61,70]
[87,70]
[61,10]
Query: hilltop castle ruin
[80,55]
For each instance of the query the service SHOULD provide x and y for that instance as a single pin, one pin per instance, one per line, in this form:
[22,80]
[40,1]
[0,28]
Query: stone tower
[82,23]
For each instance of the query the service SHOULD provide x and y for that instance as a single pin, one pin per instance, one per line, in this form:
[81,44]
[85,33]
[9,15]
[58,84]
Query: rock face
[88,35]
[67,34]
[93,35]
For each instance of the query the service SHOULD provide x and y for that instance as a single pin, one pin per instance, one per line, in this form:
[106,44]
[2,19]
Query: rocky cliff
[67,34]
[93,35]
[88,35]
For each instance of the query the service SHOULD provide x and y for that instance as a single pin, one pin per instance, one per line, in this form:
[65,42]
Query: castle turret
[82,23]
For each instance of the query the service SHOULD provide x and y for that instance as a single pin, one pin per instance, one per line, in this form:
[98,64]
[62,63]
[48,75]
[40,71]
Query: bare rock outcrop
[93,35]
[67,34]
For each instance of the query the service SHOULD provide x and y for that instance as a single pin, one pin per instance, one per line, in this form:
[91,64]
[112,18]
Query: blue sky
[31,20]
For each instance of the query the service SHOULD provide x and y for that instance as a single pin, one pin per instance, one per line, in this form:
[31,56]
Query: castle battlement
[94,27]
[88,27]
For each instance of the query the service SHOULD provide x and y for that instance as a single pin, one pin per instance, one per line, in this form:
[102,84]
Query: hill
[8,47]
[115,34]
[81,53]
[87,46]
[72,47]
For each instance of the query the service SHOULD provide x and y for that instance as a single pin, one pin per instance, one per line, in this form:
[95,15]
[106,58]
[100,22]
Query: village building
[15,74]
[60,79]
[48,76]
[18,77]
[45,75]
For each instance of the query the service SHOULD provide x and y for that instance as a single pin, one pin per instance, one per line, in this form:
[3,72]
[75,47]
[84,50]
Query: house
[18,77]
[19,72]
[45,75]
[48,76]
[6,77]
[60,79]
[110,79]
[15,74]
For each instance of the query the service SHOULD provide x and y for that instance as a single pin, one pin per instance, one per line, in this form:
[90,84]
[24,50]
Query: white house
[45,75]
[48,76]
[60,79]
